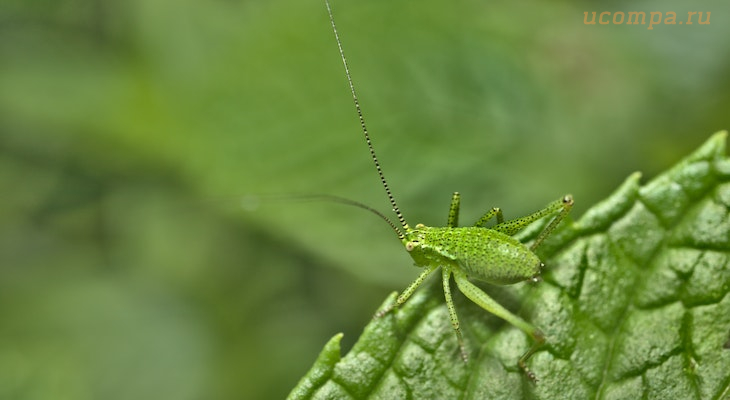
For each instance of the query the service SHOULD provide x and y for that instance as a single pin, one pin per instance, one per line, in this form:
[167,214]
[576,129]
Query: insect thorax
[482,253]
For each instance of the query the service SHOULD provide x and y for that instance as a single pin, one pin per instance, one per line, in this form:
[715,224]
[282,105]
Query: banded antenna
[362,122]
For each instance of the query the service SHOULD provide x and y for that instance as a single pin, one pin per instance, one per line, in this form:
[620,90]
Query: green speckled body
[483,254]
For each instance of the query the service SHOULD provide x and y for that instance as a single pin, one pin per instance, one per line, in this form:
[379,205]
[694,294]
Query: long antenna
[347,202]
[362,121]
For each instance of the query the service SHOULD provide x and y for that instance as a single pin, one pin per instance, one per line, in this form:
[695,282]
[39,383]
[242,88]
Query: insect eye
[420,226]
[411,245]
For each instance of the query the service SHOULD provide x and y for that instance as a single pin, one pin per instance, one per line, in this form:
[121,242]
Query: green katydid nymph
[491,255]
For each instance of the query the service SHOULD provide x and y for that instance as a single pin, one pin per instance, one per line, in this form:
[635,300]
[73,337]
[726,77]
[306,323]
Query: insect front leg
[446,278]
[453,220]
[403,297]
[473,293]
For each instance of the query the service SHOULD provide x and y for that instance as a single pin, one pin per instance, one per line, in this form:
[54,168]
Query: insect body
[490,254]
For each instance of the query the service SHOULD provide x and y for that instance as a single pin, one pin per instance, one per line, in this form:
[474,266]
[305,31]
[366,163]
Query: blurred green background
[136,260]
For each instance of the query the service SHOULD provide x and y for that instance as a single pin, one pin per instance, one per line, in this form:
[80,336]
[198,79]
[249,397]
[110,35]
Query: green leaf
[634,305]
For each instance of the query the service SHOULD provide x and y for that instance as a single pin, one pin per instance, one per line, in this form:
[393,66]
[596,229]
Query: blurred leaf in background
[128,130]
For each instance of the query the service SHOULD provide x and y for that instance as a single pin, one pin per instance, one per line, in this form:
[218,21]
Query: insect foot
[381,313]
[539,338]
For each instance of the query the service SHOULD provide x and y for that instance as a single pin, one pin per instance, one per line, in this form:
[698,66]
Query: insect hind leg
[494,212]
[561,207]
[566,203]
[473,293]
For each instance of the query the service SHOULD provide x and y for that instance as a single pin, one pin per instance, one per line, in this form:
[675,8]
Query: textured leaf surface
[634,304]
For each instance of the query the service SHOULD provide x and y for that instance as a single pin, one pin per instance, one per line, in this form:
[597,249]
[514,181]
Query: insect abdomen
[485,254]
